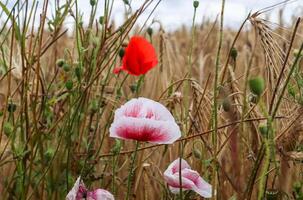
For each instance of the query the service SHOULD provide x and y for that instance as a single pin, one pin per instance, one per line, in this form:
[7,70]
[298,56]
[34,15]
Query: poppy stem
[215,105]
[180,170]
[131,171]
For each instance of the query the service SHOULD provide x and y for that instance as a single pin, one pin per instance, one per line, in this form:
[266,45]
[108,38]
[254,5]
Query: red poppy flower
[140,56]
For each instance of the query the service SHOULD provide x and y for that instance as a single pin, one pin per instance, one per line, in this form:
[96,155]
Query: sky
[174,13]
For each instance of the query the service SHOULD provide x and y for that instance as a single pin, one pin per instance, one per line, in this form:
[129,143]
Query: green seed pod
[226,104]
[66,67]
[133,88]
[196,4]
[101,20]
[8,128]
[94,106]
[78,72]
[272,194]
[263,129]
[11,107]
[69,84]
[49,154]
[92,2]
[257,85]
[197,153]
[234,53]
[60,62]
[150,31]
[121,52]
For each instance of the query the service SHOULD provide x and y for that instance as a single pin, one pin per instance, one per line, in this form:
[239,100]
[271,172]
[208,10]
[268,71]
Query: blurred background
[174,13]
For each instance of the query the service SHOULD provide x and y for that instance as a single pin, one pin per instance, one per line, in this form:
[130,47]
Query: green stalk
[131,171]
[262,184]
[215,107]
[192,42]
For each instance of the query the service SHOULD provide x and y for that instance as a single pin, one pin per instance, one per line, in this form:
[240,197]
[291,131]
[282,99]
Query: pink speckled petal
[100,194]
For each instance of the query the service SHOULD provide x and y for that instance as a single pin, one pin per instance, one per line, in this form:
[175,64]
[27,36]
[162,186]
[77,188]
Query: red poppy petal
[117,70]
[140,56]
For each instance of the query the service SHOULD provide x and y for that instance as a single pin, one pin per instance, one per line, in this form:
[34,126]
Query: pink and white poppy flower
[191,180]
[143,119]
[80,192]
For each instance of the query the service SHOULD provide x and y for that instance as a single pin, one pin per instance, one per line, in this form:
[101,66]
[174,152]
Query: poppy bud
[94,106]
[263,130]
[78,72]
[133,87]
[1,113]
[257,85]
[150,31]
[69,84]
[226,104]
[8,128]
[234,53]
[101,20]
[121,52]
[92,2]
[60,62]
[126,2]
[66,67]
[11,107]
[196,4]
[49,154]
[197,153]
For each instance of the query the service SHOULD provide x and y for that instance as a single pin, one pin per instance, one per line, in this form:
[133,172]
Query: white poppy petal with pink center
[72,194]
[100,194]
[191,180]
[145,120]
[200,185]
